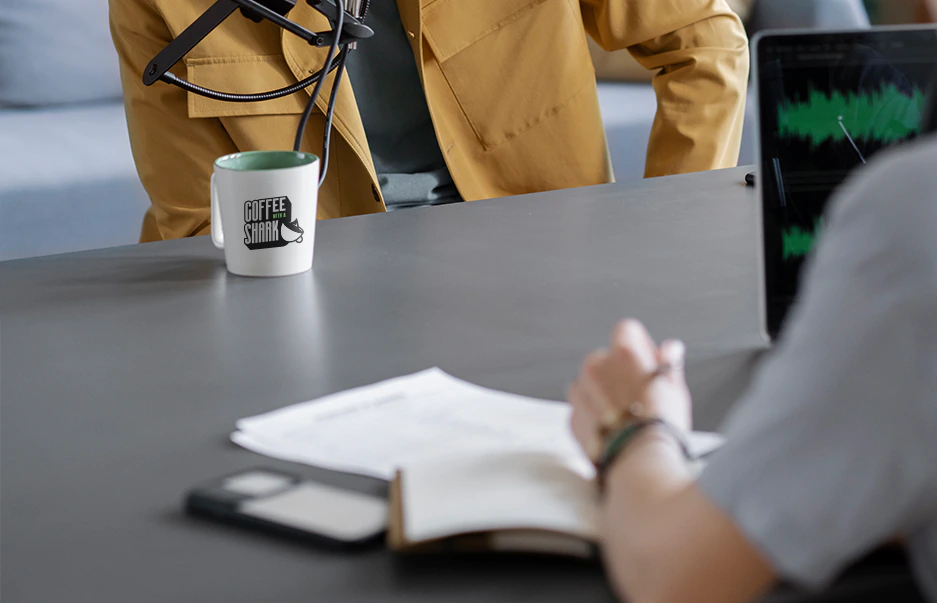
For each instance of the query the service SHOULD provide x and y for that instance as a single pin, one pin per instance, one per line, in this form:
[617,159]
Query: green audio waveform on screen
[886,116]
[797,242]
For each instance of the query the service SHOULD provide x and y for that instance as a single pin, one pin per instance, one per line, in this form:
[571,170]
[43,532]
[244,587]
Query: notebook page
[508,491]
[519,490]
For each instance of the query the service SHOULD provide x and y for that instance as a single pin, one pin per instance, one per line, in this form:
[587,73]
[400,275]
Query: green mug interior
[252,161]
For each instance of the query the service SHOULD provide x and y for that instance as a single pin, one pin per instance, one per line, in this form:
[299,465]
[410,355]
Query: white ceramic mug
[263,211]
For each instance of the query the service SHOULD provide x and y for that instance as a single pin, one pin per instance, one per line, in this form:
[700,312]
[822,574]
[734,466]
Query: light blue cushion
[67,181]
[56,52]
[628,111]
[809,14]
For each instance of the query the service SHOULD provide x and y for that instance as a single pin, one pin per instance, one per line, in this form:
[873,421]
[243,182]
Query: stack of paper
[378,429]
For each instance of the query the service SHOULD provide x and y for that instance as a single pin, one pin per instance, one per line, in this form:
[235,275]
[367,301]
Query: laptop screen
[827,104]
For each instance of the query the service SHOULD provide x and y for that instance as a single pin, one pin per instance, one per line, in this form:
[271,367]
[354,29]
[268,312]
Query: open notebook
[531,502]
[471,467]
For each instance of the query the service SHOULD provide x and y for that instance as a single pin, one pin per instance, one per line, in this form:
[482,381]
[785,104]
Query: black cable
[327,134]
[304,119]
[230,97]
[317,78]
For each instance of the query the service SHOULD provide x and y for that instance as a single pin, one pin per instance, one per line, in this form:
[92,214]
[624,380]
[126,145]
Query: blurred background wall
[893,12]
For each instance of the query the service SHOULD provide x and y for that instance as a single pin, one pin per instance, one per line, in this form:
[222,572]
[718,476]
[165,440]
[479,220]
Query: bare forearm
[665,541]
[650,474]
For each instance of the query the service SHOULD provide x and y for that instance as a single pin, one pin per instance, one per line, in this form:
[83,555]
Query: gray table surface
[122,372]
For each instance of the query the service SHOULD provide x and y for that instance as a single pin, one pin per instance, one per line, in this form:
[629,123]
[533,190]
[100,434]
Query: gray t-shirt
[410,167]
[833,450]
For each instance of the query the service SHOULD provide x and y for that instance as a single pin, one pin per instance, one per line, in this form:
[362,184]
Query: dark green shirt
[410,167]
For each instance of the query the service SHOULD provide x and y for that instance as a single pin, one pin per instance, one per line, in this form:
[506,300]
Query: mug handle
[217,232]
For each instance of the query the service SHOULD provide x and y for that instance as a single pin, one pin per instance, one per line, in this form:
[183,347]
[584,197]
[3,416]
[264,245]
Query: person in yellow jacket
[450,99]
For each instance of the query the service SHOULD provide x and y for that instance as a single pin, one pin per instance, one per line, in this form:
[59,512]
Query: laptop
[827,103]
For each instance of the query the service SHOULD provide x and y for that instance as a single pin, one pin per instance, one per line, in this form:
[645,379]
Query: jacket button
[377,195]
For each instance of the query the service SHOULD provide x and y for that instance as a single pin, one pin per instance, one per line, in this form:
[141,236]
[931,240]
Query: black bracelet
[618,442]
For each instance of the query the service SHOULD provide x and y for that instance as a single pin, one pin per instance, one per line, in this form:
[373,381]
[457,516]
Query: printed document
[377,429]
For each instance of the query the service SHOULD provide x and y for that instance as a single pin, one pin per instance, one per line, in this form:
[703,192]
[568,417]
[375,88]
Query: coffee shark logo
[269,223]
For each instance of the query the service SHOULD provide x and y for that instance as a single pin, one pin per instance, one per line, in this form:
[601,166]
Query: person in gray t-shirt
[833,450]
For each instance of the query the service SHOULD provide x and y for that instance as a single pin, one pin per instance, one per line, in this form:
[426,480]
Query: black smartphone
[288,505]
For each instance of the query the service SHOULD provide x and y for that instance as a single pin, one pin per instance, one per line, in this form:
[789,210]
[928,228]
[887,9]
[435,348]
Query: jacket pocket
[242,75]
[511,64]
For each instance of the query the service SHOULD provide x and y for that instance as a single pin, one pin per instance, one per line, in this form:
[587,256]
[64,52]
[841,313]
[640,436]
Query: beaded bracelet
[619,441]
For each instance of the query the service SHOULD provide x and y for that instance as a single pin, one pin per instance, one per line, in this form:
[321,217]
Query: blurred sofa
[67,178]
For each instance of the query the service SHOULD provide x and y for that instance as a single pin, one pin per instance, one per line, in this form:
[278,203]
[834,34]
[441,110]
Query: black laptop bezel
[775,307]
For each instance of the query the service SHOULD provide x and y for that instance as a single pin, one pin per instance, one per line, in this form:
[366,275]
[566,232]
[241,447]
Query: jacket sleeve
[174,154]
[699,50]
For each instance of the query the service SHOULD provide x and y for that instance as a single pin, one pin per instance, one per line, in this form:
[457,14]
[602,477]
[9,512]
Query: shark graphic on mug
[268,223]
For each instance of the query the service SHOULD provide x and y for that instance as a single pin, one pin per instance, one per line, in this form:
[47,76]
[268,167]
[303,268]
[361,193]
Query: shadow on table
[80,278]
[83,271]
[882,577]
[512,577]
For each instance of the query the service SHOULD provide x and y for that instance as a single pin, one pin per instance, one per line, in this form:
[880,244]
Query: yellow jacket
[509,85]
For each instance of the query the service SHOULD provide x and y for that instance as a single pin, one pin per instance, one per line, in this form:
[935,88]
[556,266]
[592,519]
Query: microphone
[255,10]
[347,30]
